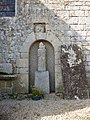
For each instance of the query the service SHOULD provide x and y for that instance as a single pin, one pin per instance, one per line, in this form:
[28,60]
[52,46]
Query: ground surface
[49,108]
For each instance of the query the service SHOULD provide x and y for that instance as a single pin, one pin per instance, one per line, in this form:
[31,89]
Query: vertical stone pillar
[42,76]
[41,57]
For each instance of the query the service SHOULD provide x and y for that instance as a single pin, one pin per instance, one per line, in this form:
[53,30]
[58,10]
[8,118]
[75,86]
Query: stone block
[6,87]
[24,55]
[58,68]
[87,57]
[42,81]
[22,63]
[57,55]
[39,27]
[23,70]
[87,68]
[6,68]
[78,27]
[58,77]
[21,84]
[40,36]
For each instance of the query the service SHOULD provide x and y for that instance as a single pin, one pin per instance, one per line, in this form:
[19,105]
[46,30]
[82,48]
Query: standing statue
[42,76]
[41,57]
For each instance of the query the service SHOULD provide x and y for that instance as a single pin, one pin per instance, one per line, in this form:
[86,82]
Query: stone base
[42,81]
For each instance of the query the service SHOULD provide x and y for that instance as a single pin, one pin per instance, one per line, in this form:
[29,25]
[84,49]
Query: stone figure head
[41,45]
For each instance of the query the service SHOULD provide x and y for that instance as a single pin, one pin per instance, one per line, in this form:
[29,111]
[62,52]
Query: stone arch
[49,36]
[55,42]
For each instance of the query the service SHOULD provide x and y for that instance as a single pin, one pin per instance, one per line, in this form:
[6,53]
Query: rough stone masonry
[60,22]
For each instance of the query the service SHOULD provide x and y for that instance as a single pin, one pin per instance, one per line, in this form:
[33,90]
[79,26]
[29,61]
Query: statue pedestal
[42,80]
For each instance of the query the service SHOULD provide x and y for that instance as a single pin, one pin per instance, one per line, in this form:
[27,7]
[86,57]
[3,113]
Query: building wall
[66,22]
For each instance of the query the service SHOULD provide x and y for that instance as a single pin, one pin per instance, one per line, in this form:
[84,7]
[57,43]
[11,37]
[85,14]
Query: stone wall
[66,20]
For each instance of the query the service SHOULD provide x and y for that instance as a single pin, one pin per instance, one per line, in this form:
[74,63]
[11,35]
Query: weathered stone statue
[41,57]
[42,76]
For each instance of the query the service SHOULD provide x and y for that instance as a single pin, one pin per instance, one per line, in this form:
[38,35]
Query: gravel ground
[49,108]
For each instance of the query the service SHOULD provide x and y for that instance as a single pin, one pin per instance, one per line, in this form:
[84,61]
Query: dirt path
[46,109]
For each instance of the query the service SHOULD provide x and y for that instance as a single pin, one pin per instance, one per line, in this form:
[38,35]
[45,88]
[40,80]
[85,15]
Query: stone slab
[8,77]
[6,68]
[42,81]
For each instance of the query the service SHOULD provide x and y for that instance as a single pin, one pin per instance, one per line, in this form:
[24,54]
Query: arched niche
[50,63]
[30,41]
